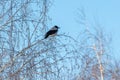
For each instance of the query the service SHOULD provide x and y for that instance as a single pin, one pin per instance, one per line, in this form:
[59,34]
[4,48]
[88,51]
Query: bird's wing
[50,32]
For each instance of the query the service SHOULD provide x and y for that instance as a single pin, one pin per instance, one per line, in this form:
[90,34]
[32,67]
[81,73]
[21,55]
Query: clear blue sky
[106,12]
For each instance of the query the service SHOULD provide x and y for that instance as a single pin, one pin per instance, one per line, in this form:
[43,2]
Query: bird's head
[56,27]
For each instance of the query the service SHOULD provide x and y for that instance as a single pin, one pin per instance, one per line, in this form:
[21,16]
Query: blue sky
[105,12]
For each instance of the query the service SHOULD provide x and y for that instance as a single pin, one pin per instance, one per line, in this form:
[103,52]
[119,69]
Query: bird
[52,32]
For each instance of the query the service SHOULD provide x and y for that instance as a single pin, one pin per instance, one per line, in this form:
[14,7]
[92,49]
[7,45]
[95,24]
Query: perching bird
[53,31]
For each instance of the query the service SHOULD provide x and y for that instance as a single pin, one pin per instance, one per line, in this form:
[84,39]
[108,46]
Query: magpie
[52,32]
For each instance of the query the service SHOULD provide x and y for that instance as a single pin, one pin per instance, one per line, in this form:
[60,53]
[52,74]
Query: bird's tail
[45,36]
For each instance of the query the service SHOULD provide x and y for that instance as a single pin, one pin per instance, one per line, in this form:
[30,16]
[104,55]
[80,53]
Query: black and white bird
[52,32]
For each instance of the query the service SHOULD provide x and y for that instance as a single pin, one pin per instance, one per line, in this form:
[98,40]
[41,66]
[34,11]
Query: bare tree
[25,55]
[23,23]
[96,60]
